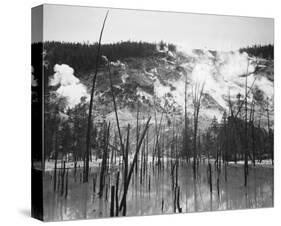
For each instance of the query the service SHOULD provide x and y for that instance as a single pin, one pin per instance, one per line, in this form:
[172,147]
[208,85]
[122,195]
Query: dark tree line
[227,141]
[81,56]
[263,51]
[232,137]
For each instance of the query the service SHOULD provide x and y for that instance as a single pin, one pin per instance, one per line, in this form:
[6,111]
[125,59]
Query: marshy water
[152,190]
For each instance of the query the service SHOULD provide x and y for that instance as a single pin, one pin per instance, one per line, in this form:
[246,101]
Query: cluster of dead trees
[239,136]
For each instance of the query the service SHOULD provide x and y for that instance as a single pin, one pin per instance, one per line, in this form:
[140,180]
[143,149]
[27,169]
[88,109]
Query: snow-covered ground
[50,165]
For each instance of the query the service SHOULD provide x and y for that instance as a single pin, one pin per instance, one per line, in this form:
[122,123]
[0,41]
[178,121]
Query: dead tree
[252,117]
[66,184]
[157,133]
[116,194]
[104,159]
[115,108]
[62,179]
[88,138]
[196,98]
[246,167]
[137,135]
[112,192]
[185,119]
[126,167]
[56,159]
[178,199]
[128,179]
[270,133]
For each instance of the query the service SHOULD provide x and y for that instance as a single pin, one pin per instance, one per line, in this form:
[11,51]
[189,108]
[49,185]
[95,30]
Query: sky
[83,24]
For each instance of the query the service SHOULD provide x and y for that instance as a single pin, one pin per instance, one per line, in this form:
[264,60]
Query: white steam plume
[223,74]
[70,87]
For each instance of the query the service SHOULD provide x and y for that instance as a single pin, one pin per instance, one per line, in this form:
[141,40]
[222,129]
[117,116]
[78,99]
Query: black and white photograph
[138,112]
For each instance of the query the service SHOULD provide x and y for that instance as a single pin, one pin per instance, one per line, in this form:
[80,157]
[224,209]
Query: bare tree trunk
[253,133]
[116,195]
[66,184]
[112,192]
[197,95]
[104,159]
[56,160]
[126,169]
[185,119]
[88,138]
[62,179]
[137,135]
[115,110]
[269,133]
[133,165]
[246,131]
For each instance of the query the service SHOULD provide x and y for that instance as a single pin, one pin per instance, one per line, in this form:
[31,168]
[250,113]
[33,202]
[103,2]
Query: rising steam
[69,86]
[223,74]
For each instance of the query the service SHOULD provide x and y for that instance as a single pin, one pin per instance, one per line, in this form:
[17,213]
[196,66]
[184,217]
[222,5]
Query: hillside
[157,82]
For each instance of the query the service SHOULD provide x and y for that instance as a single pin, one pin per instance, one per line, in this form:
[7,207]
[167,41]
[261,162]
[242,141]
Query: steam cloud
[70,86]
[222,73]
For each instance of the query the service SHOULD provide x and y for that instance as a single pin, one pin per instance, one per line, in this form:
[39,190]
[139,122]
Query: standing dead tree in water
[137,135]
[115,107]
[246,154]
[226,142]
[88,138]
[197,93]
[186,122]
[128,179]
[116,194]
[126,159]
[156,148]
[252,119]
[125,150]
[244,135]
[104,157]
[270,133]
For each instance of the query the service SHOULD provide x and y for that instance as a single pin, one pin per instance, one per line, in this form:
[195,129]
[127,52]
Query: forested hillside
[81,56]
[263,51]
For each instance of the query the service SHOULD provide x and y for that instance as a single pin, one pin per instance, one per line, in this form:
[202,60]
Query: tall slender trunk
[128,179]
[197,95]
[104,159]
[246,130]
[270,138]
[88,137]
[253,133]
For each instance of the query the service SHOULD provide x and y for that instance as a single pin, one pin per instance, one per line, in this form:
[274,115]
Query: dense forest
[263,51]
[81,56]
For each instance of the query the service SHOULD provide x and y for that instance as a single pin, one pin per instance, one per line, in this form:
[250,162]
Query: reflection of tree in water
[195,195]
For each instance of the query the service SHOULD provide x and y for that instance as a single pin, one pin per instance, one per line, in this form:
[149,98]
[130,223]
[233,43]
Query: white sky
[82,24]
